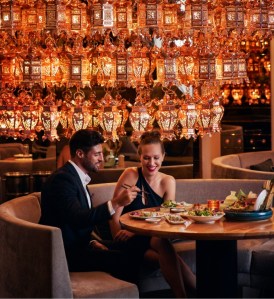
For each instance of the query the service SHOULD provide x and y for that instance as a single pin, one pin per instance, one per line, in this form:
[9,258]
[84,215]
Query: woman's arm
[129,177]
[169,184]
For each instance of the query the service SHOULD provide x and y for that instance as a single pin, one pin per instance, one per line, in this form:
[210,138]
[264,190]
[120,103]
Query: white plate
[175,220]
[205,219]
[146,216]
[260,199]
[186,205]
[153,220]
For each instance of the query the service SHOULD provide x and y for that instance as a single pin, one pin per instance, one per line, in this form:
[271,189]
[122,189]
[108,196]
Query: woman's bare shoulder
[167,179]
[130,173]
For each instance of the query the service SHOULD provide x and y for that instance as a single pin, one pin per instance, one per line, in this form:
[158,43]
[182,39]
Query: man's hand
[125,197]
[123,235]
[97,245]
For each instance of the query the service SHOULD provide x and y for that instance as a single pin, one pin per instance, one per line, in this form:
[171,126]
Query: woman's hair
[151,137]
[84,139]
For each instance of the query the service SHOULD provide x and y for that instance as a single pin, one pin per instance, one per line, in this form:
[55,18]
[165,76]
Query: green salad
[203,212]
[169,204]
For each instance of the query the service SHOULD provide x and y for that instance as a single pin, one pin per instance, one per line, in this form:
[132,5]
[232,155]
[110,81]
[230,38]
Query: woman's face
[151,158]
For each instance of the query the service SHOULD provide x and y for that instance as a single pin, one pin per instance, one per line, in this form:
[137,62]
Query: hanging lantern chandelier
[193,45]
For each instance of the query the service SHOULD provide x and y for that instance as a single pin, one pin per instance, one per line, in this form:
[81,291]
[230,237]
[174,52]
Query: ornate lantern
[167,71]
[167,115]
[29,119]
[199,13]
[123,15]
[217,112]
[231,67]
[106,63]
[80,117]
[102,16]
[13,121]
[139,117]
[169,17]
[235,12]
[258,15]
[109,117]
[149,14]
[187,116]
[204,118]
[50,118]
[139,63]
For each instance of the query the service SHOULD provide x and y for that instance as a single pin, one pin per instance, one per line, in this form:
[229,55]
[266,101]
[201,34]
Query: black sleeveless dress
[152,199]
[138,245]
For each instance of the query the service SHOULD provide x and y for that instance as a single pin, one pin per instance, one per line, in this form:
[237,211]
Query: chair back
[32,257]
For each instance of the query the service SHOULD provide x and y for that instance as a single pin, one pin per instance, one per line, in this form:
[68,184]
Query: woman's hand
[123,235]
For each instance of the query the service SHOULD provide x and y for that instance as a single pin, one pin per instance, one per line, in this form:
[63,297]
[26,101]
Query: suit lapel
[83,196]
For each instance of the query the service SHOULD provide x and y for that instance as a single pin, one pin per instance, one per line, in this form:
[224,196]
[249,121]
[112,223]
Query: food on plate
[146,214]
[173,204]
[244,202]
[203,211]
[175,218]
[169,204]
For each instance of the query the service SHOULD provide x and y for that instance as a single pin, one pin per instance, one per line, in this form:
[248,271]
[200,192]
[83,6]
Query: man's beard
[89,166]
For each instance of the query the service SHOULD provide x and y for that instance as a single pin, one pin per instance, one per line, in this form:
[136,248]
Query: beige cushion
[101,285]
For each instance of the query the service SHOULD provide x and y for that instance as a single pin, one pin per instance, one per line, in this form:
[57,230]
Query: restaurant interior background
[187,67]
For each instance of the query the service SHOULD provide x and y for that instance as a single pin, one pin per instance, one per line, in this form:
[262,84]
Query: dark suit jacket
[64,205]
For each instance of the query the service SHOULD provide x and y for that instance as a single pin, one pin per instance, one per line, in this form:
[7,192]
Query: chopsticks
[126,186]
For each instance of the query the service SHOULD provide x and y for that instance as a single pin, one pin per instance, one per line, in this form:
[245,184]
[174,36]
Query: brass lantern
[29,119]
[139,64]
[204,118]
[231,67]
[139,117]
[50,117]
[188,115]
[235,12]
[110,117]
[199,13]
[13,121]
[167,115]
[217,112]
[80,117]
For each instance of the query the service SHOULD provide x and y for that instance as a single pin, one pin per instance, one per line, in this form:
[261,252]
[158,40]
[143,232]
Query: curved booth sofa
[33,262]
[237,166]
[23,240]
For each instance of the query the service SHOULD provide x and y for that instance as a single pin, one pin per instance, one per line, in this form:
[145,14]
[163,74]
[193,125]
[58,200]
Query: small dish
[175,219]
[185,205]
[153,220]
[206,219]
[145,215]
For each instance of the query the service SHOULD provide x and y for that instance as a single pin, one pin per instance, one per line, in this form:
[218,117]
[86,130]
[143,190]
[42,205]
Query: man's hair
[84,139]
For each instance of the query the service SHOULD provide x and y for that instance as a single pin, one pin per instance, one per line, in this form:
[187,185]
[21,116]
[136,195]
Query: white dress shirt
[85,179]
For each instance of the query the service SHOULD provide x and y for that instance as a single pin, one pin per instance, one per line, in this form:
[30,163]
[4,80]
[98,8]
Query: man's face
[93,159]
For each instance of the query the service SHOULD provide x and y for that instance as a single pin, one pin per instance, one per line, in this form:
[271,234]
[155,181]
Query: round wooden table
[216,248]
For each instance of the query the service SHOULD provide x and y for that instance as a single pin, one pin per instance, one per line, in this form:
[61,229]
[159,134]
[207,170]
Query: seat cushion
[101,285]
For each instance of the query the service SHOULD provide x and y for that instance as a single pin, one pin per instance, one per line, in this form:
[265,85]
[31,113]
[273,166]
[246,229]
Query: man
[67,204]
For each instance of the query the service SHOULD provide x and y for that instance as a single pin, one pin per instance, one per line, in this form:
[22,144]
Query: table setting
[237,206]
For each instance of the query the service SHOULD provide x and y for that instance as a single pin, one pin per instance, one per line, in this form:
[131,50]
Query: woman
[156,187]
